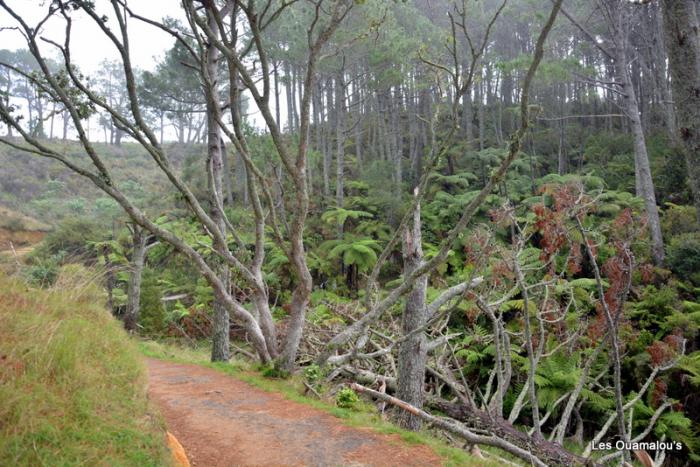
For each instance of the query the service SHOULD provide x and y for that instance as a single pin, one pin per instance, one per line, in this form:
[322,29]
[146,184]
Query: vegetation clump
[684,256]
[72,386]
[346,398]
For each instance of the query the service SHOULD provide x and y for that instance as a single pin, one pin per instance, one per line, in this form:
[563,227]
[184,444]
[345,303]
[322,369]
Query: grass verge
[364,415]
[72,384]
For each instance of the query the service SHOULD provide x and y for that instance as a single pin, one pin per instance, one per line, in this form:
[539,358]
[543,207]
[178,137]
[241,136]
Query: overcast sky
[89,45]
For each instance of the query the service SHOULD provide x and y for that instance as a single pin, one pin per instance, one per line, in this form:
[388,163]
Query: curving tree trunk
[629,102]
[645,183]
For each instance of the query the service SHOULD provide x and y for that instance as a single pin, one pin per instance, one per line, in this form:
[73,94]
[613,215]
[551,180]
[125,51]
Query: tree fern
[691,364]
[338,216]
[361,252]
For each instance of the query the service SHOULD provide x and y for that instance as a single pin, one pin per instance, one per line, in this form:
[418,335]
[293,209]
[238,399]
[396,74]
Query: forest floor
[222,421]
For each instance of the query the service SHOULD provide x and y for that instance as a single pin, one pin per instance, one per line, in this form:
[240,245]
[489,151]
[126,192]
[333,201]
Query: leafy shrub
[153,316]
[346,398]
[72,238]
[313,373]
[678,220]
[77,205]
[271,371]
[15,224]
[684,256]
[43,272]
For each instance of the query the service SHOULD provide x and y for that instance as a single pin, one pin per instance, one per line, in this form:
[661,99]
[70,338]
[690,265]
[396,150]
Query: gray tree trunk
[563,165]
[139,239]
[66,120]
[288,96]
[482,116]
[661,78]
[682,41]
[327,157]
[340,144]
[227,176]
[276,80]
[215,166]
[645,184]
[8,88]
[396,106]
[467,118]
[413,351]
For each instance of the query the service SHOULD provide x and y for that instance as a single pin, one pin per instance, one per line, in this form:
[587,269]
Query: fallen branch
[454,427]
[367,377]
[14,253]
[172,298]
[311,388]
[241,351]
[551,453]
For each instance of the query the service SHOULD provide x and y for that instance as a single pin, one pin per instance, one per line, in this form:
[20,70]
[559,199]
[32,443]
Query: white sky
[90,46]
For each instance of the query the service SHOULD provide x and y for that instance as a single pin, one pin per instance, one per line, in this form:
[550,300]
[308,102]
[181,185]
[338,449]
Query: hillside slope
[72,385]
[19,231]
[46,190]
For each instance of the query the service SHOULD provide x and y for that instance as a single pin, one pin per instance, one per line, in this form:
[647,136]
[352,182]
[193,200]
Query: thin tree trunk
[482,117]
[110,279]
[357,110]
[340,144]
[467,117]
[563,159]
[276,78]
[288,96]
[327,146]
[8,88]
[64,115]
[397,107]
[53,114]
[139,240]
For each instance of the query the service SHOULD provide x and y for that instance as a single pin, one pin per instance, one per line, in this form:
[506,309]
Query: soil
[22,240]
[221,421]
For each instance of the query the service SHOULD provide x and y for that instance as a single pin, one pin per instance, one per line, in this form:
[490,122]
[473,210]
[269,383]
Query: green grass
[72,384]
[363,415]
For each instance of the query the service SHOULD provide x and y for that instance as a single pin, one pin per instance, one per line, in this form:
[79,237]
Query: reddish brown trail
[222,421]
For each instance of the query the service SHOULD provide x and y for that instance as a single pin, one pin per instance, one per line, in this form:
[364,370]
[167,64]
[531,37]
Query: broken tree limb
[452,292]
[375,311]
[367,377]
[550,453]
[454,427]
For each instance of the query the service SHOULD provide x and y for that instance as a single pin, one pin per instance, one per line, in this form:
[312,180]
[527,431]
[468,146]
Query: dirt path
[222,421]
